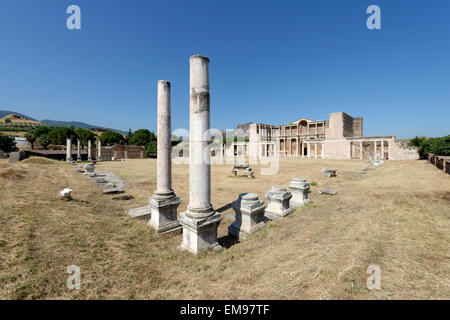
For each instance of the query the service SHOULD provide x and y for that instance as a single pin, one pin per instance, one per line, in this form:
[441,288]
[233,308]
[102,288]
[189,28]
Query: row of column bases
[69,150]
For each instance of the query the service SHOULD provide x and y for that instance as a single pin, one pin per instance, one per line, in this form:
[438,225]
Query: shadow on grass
[227,241]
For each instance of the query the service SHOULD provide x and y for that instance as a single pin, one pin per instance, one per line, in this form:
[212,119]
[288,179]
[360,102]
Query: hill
[15,119]
[76,124]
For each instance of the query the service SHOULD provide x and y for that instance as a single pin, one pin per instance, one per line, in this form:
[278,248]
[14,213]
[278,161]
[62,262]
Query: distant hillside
[4,113]
[76,124]
[13,119]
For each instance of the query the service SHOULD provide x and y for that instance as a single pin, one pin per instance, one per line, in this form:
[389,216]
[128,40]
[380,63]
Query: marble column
[200,221]
[78,150]
[309,150]
[361,150]
[382,149]
[89,150]
[303,149]
[315,150]
[164,203]
[321,149]
[68,150]
[99,150]
[374,149]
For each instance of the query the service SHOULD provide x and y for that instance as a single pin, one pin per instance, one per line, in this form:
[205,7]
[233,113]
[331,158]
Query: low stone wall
[441,162]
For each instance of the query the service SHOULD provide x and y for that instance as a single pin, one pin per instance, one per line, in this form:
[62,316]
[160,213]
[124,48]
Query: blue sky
[271,61]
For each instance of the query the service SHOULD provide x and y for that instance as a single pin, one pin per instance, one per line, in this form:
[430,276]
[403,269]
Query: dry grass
[396,217]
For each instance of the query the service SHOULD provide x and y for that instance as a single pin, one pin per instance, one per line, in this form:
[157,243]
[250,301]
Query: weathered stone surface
[328,191]
[200,221]
[16,156]
[125,197]
[140,213]
[278,206]
[89,168]
[164,203]
[299,188]
[249,215]
[163,208]
[113,190]
[328,172]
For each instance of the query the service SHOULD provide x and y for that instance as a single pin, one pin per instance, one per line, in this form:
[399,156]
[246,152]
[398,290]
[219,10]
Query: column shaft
[164,161]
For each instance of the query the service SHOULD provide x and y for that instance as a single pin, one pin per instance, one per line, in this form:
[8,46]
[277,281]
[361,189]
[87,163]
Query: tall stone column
[164,203]
[303,149]
[382,149]
[361,150]
[309,150]
[89,150]
[68,150]
[374,149]
[99,150]
[78,150]
[200,221]
[315,150]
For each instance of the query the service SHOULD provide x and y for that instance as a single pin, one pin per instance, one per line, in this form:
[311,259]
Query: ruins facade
[339,137]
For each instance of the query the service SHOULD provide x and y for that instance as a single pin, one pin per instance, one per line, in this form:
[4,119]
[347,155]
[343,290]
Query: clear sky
[271,61]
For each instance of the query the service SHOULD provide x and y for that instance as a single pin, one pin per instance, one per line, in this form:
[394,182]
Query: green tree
[7,143]
[43,140]
[151,148]
[437,146]
[31,138]
[111,137]
[84,135]
[59,135]
[142,137]
[41,130]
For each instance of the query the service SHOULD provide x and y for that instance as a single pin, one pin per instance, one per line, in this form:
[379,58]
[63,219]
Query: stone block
[299,188]
[328,172]
[163,208]
[199,234]
[249,215]
[278,206]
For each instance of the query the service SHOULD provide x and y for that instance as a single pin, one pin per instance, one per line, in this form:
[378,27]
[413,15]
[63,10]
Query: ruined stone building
[339,137]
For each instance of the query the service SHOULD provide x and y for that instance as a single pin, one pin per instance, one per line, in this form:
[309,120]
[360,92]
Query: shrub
[7,143]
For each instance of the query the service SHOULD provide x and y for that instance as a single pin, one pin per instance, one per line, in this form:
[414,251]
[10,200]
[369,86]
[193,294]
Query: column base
[69,159]
[163,208]
[199,234]
[277,215]
[89,158]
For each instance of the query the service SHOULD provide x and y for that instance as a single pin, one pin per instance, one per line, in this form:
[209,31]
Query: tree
[7,143]
[43,140]
[142,137]
[437,146]
[31,138]
[111,137]
[84,135]
[151,148]
[128,137]
[59,135]
[41,130]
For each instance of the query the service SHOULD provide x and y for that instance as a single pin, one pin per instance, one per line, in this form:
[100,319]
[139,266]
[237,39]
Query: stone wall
[336,149]
[400,151]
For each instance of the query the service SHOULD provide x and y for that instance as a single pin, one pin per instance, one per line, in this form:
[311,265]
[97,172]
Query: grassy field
[396,217]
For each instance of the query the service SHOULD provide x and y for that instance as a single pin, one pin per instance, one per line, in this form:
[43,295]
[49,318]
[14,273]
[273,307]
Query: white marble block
[299,188]
[278,206]
[163,210]
[249,215]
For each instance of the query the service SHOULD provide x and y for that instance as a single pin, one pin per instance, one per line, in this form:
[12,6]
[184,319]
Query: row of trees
[438,146]
[46,135]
